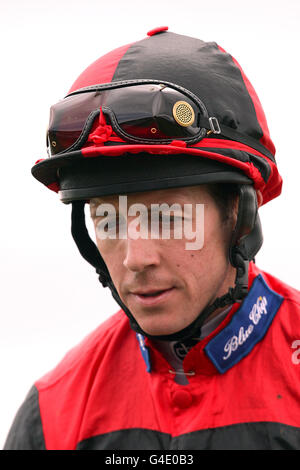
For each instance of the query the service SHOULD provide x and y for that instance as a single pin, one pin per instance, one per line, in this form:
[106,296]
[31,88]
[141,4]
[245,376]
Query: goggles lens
[150,113]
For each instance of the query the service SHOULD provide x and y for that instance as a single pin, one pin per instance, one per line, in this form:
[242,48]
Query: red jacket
[113,391]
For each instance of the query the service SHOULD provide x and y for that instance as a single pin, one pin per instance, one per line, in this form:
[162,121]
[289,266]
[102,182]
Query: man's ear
[260,198]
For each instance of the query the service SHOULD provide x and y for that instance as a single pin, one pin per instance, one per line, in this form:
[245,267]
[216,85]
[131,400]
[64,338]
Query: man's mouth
[152,296]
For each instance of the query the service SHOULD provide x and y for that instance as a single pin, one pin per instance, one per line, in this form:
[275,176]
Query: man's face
[164,283]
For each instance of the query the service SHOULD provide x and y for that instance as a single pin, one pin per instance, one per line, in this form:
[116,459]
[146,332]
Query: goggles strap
[213,126]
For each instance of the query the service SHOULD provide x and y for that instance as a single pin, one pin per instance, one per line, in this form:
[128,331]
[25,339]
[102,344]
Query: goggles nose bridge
[157,102]
[162,107]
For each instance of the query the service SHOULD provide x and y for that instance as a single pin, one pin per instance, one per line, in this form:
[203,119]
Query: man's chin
[159,327]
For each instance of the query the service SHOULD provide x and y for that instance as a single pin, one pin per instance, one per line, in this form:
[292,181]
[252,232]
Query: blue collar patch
[144,351]
[246,328]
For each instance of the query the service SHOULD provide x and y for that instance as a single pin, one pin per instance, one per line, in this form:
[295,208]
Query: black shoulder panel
[241,436]
[26,432]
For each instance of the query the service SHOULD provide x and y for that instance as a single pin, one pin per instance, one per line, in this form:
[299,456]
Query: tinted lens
[154,112]
[68,117]
[147,111]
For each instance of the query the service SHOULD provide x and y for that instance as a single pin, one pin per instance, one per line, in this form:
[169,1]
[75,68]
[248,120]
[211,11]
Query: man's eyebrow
[95,202]
[94,206]
[93,209]
[94,214]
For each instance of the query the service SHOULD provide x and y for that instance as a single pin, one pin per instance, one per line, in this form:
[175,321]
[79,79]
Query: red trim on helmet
[228,144]
[54,187]
[157,30]
[159,150]
[274,186]
[265,139]
[274,182]
[102,70]
[206,143]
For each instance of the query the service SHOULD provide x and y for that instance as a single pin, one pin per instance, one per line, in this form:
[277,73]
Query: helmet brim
[81,178]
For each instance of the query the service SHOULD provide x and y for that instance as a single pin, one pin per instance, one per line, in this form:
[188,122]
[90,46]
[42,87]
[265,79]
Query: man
[168,143]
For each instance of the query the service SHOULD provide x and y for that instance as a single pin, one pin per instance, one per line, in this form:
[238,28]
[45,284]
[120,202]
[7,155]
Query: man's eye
[110,225]
[170,219]
[165,224]
[106,224]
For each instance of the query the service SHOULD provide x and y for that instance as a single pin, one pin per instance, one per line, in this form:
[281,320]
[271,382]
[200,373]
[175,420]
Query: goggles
[140,111]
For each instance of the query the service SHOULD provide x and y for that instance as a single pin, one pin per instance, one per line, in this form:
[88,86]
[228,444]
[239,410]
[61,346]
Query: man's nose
[141,254]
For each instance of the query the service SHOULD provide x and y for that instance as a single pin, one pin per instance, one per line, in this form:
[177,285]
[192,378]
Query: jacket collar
[235,337]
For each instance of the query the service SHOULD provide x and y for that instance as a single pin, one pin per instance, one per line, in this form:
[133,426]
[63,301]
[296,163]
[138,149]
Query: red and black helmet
[166,111]
[237,135]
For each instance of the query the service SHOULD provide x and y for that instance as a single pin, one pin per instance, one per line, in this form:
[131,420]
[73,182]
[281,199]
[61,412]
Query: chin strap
[245,243]
[85,244]
[234,294]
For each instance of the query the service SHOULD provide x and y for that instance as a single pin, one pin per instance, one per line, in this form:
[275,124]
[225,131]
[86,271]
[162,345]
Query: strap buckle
[214,125]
